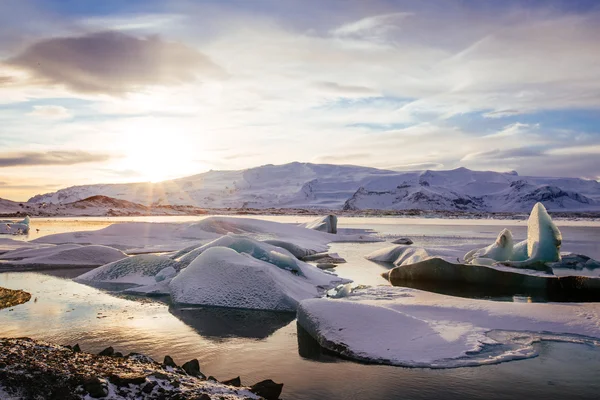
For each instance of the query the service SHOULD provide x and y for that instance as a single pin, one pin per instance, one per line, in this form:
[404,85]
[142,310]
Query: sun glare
[159,156]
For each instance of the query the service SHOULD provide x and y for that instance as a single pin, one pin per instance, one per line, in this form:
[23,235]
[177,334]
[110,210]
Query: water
[260,345]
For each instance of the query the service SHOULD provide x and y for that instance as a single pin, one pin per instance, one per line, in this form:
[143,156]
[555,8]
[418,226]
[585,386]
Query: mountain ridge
[349,187]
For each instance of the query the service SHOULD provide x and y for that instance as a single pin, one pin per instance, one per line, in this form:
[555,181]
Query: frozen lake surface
[259,345]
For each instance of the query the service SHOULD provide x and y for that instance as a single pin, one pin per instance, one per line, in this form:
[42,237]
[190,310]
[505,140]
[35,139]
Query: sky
[113,91]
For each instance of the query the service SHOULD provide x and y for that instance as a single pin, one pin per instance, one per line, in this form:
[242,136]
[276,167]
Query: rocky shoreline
[31,369]
[11,298]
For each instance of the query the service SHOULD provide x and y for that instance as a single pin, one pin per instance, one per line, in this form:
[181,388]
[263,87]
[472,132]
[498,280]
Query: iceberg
[297,251]
[542,245]
[140,270]
[500,250]
[221,276]
[64,256]
[401,255]
[413,328]
[327,224]
[15,227]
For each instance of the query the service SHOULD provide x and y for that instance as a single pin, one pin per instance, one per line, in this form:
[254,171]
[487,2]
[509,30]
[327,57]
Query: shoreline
[30,368]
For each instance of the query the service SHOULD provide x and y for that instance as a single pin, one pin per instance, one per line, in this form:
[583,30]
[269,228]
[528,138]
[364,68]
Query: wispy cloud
[52,112]
[50,158]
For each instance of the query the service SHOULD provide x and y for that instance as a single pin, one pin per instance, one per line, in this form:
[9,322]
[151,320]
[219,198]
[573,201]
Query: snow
[405,254]
[327,224]
[138,237]
[322,186]
[297,251]
[140,270]
[22,253]
[67,256]
[223,277]
[409,327]
[277,256]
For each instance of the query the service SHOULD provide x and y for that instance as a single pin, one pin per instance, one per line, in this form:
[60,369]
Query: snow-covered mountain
[97,205]
[323,186]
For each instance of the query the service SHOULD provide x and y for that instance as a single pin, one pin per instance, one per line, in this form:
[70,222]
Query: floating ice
[543,239]
[500,250]
[408,327]
[405,255]
[15,227]
[65,256]
[140,270]
[221,276]
[324,224]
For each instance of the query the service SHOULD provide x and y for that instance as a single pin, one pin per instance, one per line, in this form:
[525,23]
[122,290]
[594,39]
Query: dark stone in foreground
[94,387]
[267,389]
[440,276]
[109,351]
[168,362]
[192,368]
[237,382]
[37,370]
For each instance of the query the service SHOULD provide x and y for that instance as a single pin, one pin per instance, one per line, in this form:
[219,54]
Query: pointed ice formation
[543,237]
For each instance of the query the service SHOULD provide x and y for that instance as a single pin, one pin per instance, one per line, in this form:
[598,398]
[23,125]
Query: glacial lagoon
[259,344]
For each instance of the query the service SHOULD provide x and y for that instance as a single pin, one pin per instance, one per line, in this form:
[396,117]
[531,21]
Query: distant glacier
[348,187]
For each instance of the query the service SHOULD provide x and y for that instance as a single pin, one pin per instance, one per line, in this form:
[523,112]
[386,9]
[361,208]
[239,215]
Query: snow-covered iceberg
[221,276]
[145,237]
[145,269]
[542,245]
[15,227]
[441,270]
[501,250]
[543,239]
[408,327]
[67,255]
[327,224]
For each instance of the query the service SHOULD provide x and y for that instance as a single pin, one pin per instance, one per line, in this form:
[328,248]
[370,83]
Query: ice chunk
[165,273]
[69,256]
[402,241]
[139,270]
[274,255]
[15,227]
[500,250]
[408,327]
[543,237]
[324,224]
[406,255]
[296,250]
[221,276]
[519,252]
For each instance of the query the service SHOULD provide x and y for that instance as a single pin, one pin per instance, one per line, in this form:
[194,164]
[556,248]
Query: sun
[158,156]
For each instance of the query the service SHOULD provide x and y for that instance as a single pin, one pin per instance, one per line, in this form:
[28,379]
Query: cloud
[114,62]
[49,158]
[416,166]
[52,112]
[336,88]
[501,113]
[503,154]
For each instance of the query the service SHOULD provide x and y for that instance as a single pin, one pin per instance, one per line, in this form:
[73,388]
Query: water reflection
[219,323]
[310,349]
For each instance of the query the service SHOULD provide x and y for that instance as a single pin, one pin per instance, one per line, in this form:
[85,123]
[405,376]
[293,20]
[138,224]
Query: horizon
[153,91]
[511,172]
